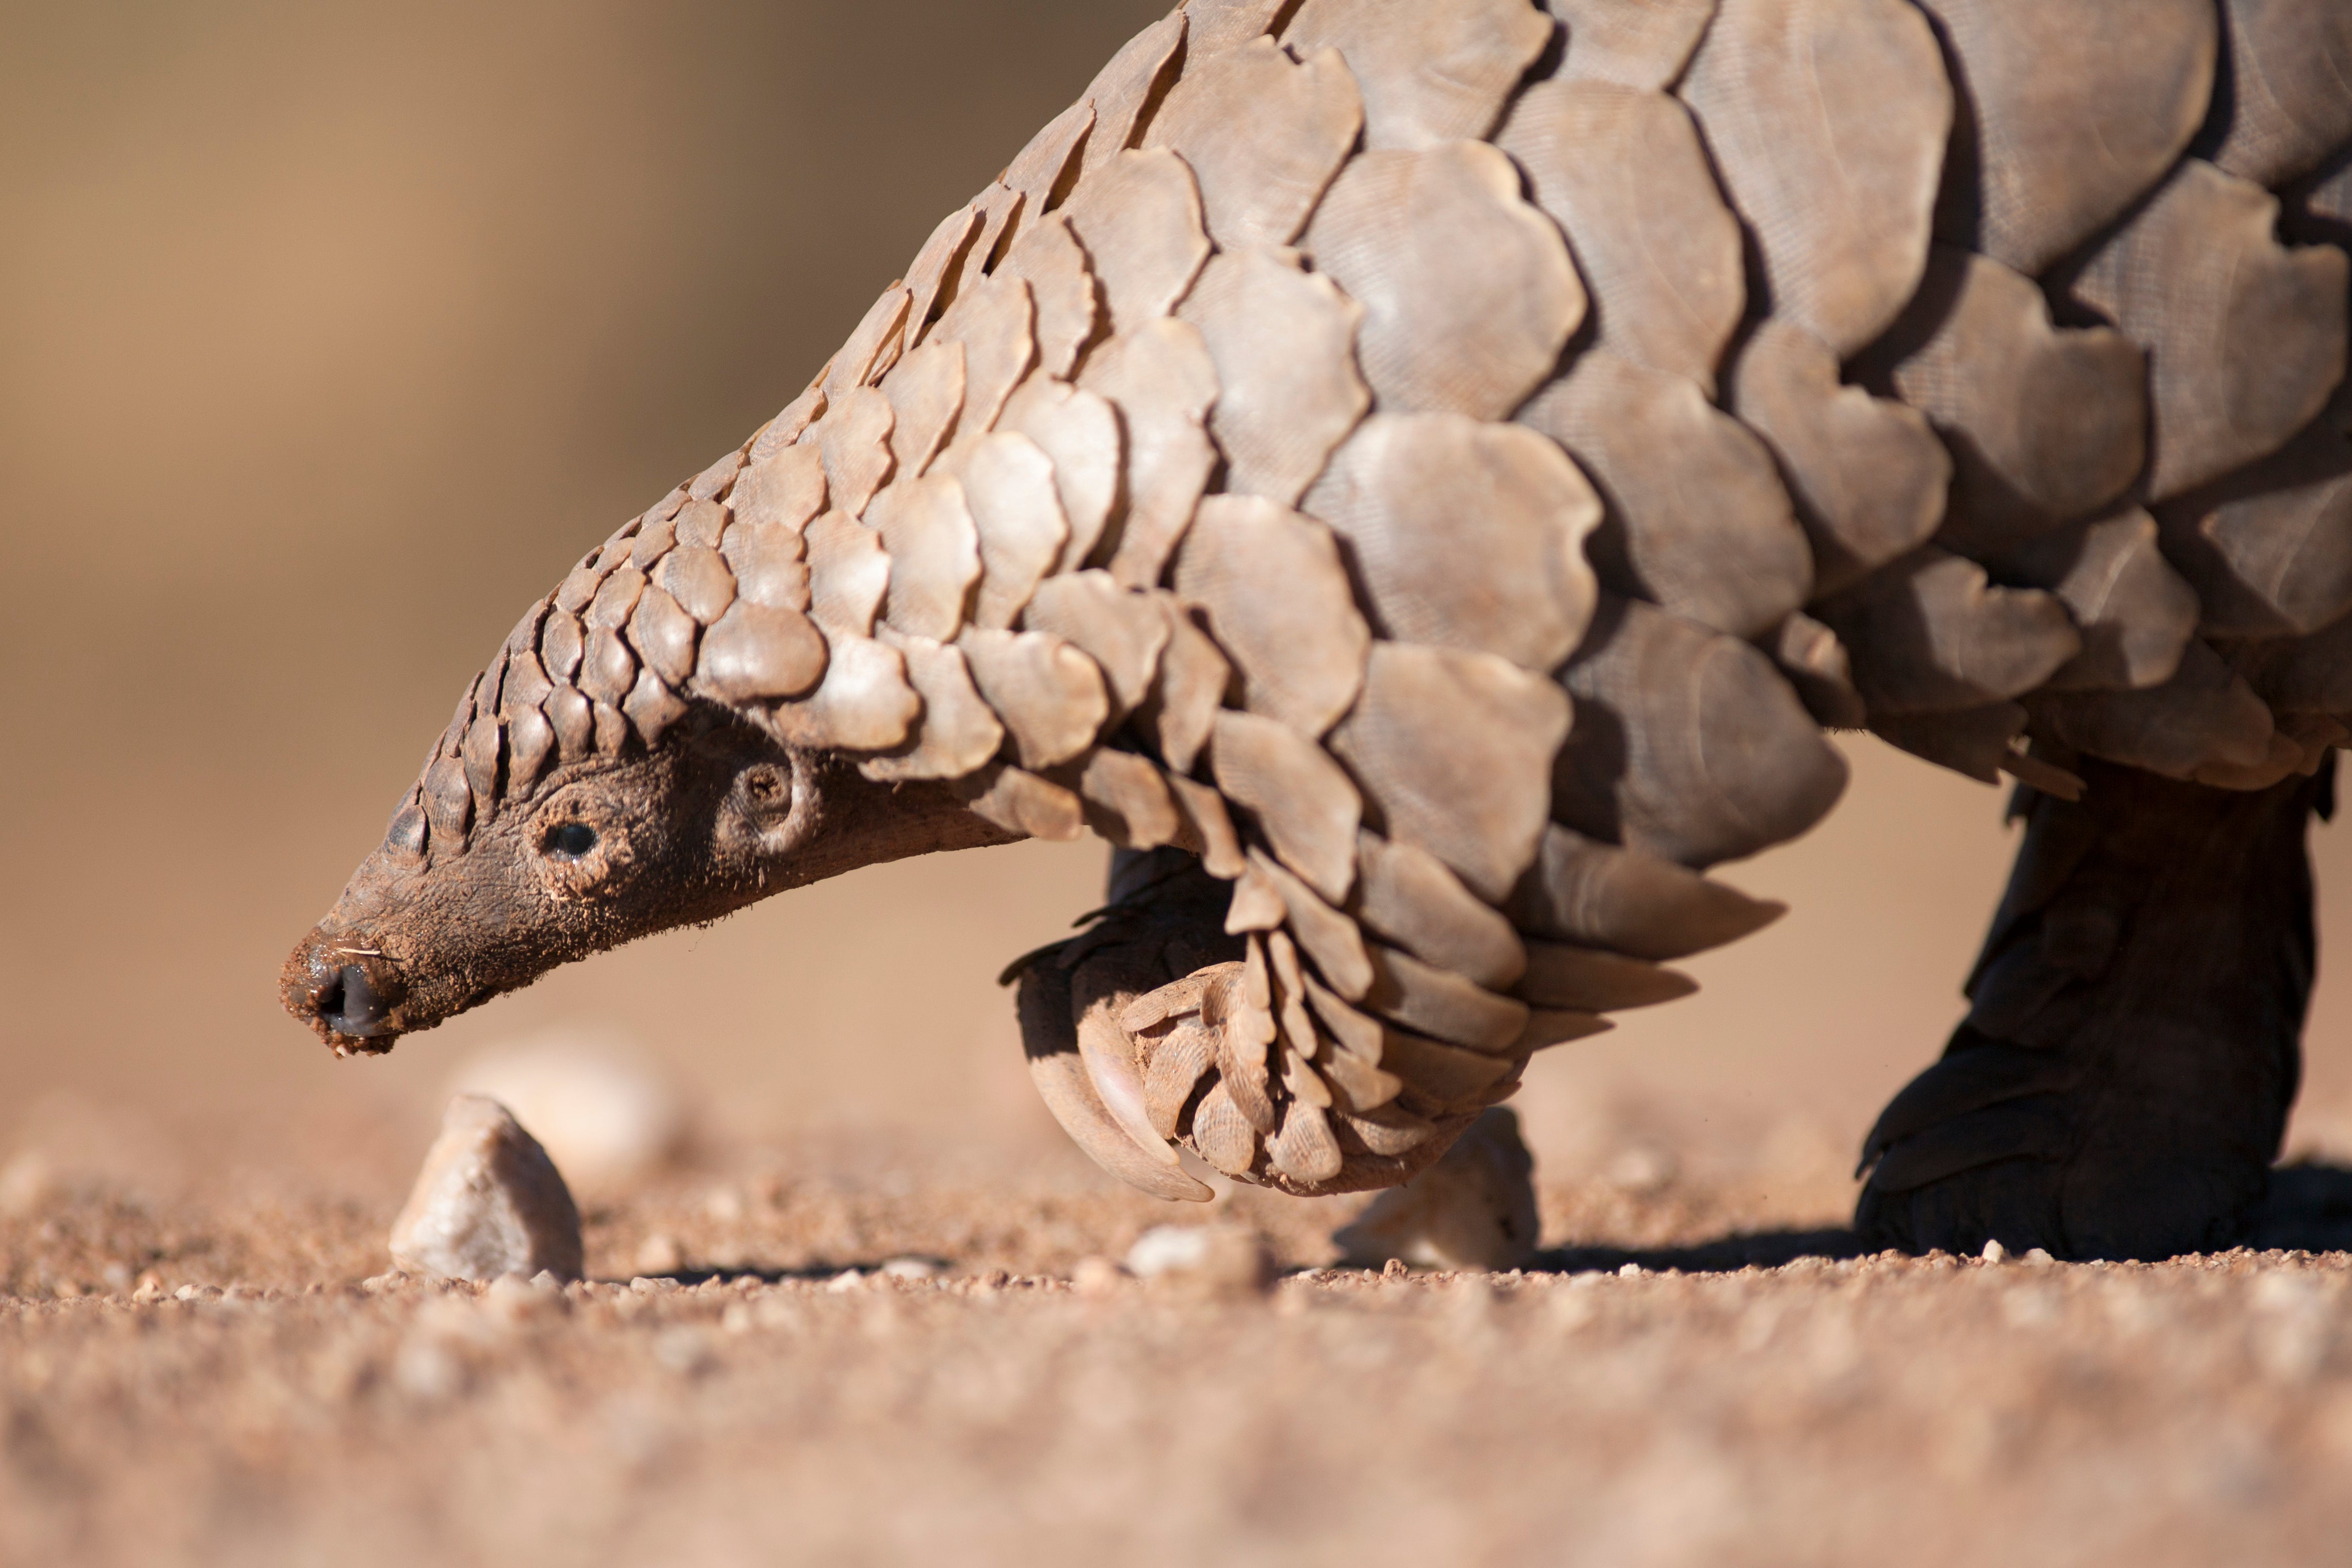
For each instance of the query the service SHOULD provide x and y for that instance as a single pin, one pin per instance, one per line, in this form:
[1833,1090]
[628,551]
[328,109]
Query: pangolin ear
[764,797]
[759,812]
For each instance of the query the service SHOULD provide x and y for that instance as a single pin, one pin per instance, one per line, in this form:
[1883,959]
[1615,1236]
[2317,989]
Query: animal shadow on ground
[1764,1249]
[806,1274]
[2308,1209]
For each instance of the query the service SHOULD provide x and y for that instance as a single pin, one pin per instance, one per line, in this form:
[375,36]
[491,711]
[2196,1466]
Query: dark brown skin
[600,853]
[2122,1082]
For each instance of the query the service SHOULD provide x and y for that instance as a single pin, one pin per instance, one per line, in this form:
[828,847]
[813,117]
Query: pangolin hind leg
[2121,1083]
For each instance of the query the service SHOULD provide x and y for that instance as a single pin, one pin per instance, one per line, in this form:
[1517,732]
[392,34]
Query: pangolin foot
[2122,1082]
[2000,1143]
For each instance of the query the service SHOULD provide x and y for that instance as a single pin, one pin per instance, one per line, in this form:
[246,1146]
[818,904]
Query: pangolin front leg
[1158,1028]
[2121,1083]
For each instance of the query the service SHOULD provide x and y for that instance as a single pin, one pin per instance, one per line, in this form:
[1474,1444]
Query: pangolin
[1418,477]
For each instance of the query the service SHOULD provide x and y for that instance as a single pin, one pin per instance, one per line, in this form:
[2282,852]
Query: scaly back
[1443,463]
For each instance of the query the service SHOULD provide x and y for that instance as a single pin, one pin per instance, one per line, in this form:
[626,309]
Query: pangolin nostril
[327,999]
[350,1005]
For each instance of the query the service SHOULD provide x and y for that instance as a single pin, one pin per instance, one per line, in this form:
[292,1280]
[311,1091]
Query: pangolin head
[457,906]
[614,772]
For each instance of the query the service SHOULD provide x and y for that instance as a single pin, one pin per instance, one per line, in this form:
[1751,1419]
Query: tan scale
[2290,64]
[1478,801]
[1867,476]
[927,532]
[995,320]
[1161,382]
[1622,173]
[1122,633]
[1644,46]
[2073,119]
[783,490]
[1269,588]
[1263,134]
[1282,342]
[854,441]
[1068,301]
[1138,222]
[1464,535]
[936,271]
[1428,74]
[1821,671]
[1706,755]
[769,562]
[2133,611]
[2246,339]
[926,393]
[1008,487]
[2043,425]
[1696,519]
[1297,793]
[1827,121]
[1079,435]
[1050,695]
[1468,292]
[1932,631]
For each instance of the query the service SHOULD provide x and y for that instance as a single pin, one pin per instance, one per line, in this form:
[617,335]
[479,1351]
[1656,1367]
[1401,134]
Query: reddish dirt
[1695,1381]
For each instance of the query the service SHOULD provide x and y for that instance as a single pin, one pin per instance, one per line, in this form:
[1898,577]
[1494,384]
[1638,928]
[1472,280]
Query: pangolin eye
[569,841]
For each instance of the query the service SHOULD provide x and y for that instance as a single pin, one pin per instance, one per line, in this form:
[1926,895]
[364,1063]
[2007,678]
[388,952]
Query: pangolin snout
[349,993]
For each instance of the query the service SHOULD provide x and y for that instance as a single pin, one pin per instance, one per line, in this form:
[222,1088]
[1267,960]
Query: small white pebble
[1098,1277]
[25,1184]
[659,1255]
[2039,1257]
[912,1267]
[685,1350]
[1993,1252]
[1220,1259]
[846,1281]
[1642,1170]
[489,1202]
[1630,1271]
[644,1285]
[428,1369]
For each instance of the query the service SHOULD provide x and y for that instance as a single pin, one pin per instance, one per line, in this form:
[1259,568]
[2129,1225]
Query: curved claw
[1104,1048]
[1069,1093]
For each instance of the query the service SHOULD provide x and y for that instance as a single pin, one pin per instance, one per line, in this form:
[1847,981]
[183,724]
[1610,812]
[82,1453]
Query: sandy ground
[332,333]
[1696,1372]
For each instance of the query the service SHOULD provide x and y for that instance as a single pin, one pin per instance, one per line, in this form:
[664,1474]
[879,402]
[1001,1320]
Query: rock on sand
[487,1203]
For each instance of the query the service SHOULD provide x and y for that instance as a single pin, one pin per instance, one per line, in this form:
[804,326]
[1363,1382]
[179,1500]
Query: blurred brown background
[331,334]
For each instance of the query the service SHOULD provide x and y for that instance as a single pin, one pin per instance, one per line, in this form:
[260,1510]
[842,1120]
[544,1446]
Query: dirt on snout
[236,1377]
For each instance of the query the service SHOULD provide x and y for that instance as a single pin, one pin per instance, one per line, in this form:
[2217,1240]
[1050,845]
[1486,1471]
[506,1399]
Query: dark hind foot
[2123,1078]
